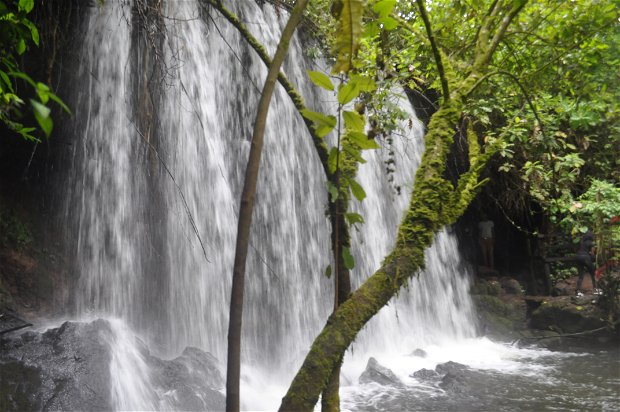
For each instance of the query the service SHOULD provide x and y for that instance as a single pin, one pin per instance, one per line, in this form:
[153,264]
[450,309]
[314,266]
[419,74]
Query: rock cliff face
[68,368]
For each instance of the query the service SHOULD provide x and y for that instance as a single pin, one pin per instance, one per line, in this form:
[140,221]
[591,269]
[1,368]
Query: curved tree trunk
[245,213]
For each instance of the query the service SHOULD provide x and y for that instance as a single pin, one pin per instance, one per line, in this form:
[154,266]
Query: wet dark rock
[421,353]
[451,367]
[68,368]
[568,315]
[511,286]
[379,374]
[65,368]
[455,382]
[458,378]
[425,375]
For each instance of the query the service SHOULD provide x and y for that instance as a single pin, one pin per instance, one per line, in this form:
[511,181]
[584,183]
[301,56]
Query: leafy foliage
[17,34]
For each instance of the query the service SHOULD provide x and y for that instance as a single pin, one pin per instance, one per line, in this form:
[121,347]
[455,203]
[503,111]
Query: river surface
[506,379]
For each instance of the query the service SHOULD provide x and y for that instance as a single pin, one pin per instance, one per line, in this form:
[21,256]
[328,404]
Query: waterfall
[135,203]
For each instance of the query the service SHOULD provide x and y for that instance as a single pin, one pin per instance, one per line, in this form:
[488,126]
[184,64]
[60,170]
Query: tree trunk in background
[248,195]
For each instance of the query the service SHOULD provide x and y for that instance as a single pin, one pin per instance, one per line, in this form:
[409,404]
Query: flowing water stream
[133,215]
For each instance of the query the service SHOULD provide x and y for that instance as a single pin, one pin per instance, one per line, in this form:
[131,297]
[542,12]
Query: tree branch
[438,60]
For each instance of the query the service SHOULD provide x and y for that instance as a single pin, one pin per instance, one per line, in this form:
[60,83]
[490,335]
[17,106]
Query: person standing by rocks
[486,238]
[584,261]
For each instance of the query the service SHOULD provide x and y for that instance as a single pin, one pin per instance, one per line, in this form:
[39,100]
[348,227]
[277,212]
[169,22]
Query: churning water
[153,215]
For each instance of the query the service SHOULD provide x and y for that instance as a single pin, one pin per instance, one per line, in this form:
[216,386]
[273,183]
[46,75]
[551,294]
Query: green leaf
[6,80]
[42,115]
[348,92]
[362,140]
[43,91]
[322,123]
[384,7]
[349,262]
[357,190]
[34,33]
[354,153]
[328,271]
[333,191]
[354,121]
[23,76]
[348,34]
[21,46]
[332,159]
[388,23]
[353,218]
[59,102]
[26,5]
[321,80]
[366,84]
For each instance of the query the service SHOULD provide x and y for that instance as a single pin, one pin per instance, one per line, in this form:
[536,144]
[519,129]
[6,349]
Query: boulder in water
[425,375]
[451,367]
[456,377]
[420,353]
[379,374]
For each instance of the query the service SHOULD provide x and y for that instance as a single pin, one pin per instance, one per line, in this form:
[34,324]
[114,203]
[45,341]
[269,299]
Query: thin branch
[431,37]
[169,173]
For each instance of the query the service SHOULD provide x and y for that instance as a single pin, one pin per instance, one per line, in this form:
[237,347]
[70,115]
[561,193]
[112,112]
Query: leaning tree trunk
[245,213]
[434,203]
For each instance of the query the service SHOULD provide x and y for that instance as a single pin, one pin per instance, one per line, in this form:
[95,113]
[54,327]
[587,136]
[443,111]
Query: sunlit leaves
[357,190]
[323,124]
[349,15]
[321,80]
[26,5]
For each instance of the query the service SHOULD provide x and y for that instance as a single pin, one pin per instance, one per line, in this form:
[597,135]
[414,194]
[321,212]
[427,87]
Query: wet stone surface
[68,368]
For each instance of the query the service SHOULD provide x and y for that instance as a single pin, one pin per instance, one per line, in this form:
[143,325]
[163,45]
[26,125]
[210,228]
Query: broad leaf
[328,271]
[322,123]
[42,116]
[353,121]
[321,80]
[384,7]
[353,218]
[332,159]
[333,191]
[26,5]
[349,32]
[388,23]
[362,140]
[348,92]
[349,262]
[357,190]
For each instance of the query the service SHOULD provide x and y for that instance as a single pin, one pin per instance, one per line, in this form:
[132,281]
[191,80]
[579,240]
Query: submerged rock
[420,353]
[68,368]
[379,374]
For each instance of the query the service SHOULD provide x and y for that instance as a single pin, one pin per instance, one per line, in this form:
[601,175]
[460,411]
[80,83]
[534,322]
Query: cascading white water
[107,193]
[205,121]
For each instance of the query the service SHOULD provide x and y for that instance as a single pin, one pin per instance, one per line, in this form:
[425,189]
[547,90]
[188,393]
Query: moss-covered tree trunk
[245,212]
[434,203]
